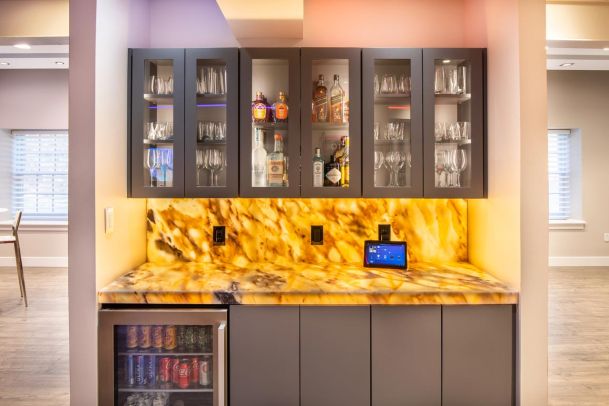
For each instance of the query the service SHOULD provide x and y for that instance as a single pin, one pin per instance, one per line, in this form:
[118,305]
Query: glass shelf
[158,142]
[159,98]
[392,99]
[158,389]
[329,126]
[442,98]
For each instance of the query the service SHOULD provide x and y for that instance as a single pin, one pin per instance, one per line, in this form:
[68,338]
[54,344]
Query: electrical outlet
[606,237]
[317,235]
[109,220]
[219,235]
[384,232]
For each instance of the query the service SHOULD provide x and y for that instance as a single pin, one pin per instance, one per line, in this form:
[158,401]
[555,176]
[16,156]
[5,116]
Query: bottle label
[259,111]
[336,108]
[318,174]
[275,172]
[333,176]
[281,111]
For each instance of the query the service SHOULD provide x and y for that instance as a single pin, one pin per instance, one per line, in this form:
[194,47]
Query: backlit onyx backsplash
[278,230]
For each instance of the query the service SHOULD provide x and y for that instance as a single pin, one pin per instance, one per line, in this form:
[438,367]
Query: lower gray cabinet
[264,351]
[478,355]
[406,355]
[335,356]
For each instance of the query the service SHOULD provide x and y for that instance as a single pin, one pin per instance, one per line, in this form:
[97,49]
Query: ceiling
[577,55]
[44,53]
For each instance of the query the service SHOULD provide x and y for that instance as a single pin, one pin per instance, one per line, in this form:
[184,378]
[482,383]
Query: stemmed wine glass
[167,163]
[440,165]
[215,163]
[152,163]
[395,161]
[200,162]
[459,162]
[379,161]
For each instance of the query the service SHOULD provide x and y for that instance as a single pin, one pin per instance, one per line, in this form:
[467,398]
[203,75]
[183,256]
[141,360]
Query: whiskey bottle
[342,157]
[280,109]
[320,102]
[259,109]
[332,170]
[318,169]
[337,98]
[275,164]
[259,159]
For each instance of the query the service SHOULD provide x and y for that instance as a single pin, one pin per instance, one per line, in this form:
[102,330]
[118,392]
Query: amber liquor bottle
[260,111]
[320,102]
[337,99]
[280,109]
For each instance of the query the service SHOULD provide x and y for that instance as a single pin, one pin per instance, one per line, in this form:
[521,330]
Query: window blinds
[40,175]
[559,174]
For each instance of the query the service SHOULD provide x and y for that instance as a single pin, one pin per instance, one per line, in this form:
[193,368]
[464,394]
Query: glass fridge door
[165,360]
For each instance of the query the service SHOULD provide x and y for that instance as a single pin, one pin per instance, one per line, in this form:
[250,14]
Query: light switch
[109,220]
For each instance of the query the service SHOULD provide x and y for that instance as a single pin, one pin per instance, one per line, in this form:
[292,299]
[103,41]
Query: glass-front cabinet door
[157,123]
[211,122]
[270,126]
[392,120]
[454,130]
[162,357]
[331,122]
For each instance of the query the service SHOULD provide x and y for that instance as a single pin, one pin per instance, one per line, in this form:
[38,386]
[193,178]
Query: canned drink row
[147,399]
[169,338]
[154,371]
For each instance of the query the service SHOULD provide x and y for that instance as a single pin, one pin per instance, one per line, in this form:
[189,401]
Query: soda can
[181,337]
[129,371]
[194,367]
[131,337]
[165,365]
[151,370]
[175,368]
[189,338]
[170,341]
[145,338]
[157,338]
[204,339]
[205,372]
[184,373]
[139,370]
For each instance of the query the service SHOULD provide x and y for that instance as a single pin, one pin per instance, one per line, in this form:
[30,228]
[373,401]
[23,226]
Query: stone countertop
[306,284]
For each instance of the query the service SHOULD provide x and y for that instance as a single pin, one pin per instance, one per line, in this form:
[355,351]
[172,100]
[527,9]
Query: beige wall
[579,100]
[579,22]
[34,18]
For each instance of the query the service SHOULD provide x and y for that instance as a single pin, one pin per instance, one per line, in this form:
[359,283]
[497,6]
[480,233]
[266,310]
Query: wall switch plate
[109,220]
[606,237]
[219,235]
[384,232]
[317,235]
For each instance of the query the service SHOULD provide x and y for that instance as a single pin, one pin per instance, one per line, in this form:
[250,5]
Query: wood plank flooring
[34,340]
[579,337]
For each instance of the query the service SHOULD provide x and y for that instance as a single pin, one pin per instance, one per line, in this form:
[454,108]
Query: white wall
[31,100]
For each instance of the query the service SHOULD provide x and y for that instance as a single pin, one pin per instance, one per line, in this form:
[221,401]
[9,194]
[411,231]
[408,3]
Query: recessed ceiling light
[23,46]
[566,65]
[59,63]
[5,63]
[446,61]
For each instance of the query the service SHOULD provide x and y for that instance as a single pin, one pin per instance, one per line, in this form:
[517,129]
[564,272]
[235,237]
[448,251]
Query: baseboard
[36,262]
[573,262]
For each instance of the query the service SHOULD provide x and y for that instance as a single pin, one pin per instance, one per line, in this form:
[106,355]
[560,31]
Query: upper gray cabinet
[454,124]
[392,122]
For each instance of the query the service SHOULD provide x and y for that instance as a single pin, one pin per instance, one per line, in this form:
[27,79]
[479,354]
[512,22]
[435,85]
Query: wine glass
[440,80]
[200,163]
[440,165]
[395,161]
[440,131]
[377,87]
[216,163]
[459,161]
[152,163]
[379,161]
[166,163]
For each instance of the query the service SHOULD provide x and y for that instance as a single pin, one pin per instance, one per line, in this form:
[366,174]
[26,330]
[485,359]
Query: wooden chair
[14,239]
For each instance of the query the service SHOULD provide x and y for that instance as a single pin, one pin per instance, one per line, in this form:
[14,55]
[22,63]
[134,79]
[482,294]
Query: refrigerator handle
[222,363]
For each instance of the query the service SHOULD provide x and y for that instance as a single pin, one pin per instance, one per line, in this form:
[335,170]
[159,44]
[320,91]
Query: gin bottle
[318,169]
[259,160]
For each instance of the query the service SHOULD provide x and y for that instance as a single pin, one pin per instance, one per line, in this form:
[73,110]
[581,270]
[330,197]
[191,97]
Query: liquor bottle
[280,109]
[332,170]
[275,163]
[259,160]
[337,98]
[320,102]
[318,169]
[259,109]
[346,112]
[342,157]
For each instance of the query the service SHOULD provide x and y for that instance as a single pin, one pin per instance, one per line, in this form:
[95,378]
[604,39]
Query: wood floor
[34,340]
[579,337]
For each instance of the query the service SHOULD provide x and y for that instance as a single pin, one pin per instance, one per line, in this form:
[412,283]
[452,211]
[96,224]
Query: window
[40,175]
[559,175]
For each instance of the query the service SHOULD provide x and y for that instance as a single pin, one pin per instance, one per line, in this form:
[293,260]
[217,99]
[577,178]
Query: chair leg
[22,277]
[17,268]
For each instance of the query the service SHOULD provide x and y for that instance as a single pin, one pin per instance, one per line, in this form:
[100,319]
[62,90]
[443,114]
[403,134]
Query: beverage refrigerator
[162,357]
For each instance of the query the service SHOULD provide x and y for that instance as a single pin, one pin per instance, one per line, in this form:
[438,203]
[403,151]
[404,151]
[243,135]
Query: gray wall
[580,100]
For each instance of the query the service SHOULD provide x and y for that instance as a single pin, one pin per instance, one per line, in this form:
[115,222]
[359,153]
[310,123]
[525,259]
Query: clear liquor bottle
[320,102]
[337,99]
[318,169]
[276,164]
[259,160]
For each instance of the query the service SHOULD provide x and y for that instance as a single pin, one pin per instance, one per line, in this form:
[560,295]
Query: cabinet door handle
[222,363]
